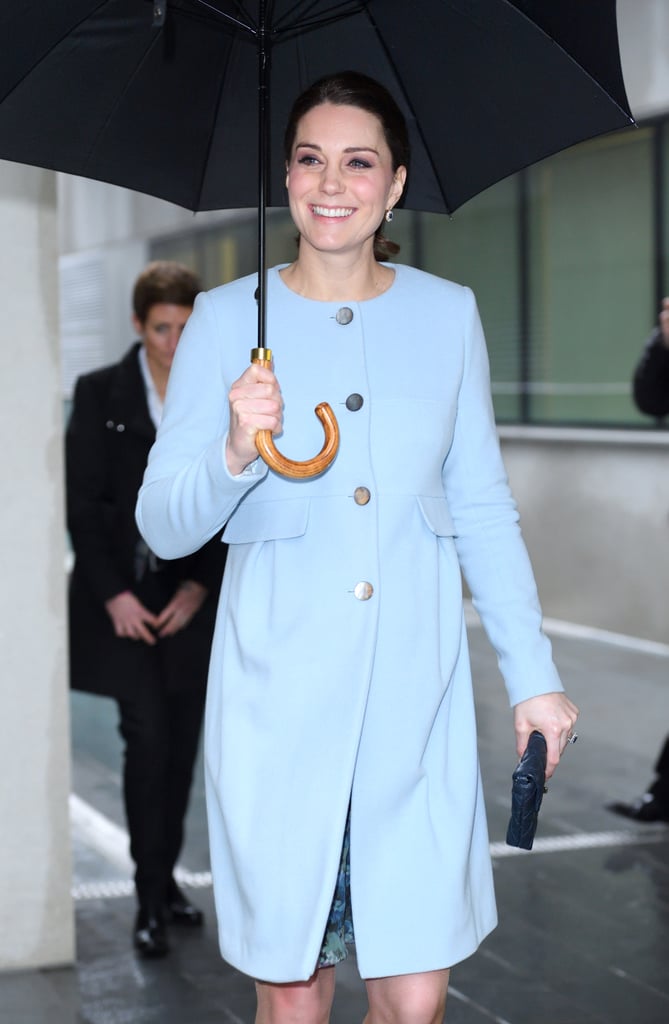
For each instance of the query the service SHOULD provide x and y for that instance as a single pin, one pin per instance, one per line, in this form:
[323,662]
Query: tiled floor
[584,919]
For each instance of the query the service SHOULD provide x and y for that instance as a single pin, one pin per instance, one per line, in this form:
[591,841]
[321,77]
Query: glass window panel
[281,238]
[182,248]
[664,128]
[404,230]
[591,278]
[478,247]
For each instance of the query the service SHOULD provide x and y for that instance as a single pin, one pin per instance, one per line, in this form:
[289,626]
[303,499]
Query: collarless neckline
[276,272]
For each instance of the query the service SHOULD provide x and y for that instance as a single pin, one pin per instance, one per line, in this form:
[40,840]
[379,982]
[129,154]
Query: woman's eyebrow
[349,149]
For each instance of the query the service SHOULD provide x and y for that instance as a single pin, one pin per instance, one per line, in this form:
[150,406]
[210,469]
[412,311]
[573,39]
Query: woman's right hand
[255,404]
[130,618]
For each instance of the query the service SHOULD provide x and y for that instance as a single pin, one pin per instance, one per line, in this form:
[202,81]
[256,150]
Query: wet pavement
[584,918]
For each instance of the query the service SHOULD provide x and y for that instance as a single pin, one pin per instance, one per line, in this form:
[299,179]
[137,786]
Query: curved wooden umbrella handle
[292,468]
[310,467]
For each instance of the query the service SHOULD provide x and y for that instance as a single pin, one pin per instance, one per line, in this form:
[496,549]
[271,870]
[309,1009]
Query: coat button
[120,427]
[344,316]
[361,495]
[363,591]
[354,402]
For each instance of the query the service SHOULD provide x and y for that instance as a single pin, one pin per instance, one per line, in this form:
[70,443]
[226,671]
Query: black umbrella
[183,99]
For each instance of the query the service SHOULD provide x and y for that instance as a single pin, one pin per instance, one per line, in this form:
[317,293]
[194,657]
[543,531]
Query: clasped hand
[134,621]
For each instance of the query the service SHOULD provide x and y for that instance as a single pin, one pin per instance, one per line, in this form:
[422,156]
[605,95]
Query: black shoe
[645,808]
[179,909]
[149,935]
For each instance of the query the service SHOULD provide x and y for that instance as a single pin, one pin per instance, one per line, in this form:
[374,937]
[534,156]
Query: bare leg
[408,998]
[297,1002]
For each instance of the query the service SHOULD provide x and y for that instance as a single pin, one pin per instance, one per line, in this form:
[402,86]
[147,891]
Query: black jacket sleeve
[650,385]
[90,501]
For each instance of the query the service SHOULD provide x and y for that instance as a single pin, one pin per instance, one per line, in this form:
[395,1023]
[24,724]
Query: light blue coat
[316,696]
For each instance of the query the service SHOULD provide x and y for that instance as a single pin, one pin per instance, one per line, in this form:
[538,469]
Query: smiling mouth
[332,211]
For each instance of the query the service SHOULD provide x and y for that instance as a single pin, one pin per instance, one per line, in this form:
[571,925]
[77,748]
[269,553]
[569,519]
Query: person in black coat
[650,385]
[651,394]
[140,627]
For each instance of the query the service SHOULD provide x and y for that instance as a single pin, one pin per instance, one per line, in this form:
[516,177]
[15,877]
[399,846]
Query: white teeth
[330,211]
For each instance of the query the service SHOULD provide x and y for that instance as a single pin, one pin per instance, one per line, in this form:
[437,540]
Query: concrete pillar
[35,861]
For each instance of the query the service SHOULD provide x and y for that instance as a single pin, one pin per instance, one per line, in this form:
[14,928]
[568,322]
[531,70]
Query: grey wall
[594,511]
[643,28]
[34,730]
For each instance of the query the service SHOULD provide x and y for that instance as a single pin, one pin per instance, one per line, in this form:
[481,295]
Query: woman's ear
[397,187]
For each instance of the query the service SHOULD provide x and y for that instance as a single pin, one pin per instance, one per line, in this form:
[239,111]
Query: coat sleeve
[90,507]
[206,565]
[650,385]
[490,547]
[188,493]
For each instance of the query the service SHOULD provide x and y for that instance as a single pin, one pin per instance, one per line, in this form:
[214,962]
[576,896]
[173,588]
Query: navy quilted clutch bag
[529,779]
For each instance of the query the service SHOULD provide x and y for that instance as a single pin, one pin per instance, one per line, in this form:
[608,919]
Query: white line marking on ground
[583,841]
[577,631]
[100,833]
[111,842]
[455,993]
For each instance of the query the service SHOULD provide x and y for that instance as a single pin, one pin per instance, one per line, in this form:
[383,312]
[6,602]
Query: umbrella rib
[577,63]
[42,56]
[212,133]
[302,23]
[410,105]
[119,98]
[248,26]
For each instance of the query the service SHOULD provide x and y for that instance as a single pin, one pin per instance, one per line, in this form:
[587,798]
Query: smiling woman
[343,791]
[341,181]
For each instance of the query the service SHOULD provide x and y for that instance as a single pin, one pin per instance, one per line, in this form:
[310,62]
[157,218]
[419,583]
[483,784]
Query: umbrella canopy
[161,96]
[186,99]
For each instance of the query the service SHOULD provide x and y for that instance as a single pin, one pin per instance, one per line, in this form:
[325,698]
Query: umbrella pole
[263,166]
[261,354]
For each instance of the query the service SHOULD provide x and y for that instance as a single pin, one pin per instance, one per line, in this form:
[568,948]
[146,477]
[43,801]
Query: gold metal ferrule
[262,356]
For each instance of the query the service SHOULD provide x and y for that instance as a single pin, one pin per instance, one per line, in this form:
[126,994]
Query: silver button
[344,316]
[354,402]
[363,591]
[120,427]
[361,495]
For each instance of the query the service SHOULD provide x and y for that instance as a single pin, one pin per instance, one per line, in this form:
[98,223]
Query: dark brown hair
[164,281]
[353,89]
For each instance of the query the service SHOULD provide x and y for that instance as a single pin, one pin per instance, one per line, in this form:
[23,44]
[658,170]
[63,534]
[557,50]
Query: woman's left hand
[554,715]
[186,602]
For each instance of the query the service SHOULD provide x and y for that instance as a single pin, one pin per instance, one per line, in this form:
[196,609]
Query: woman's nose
[331,181]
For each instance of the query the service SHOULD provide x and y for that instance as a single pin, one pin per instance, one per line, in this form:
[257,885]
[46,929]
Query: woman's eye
[308,159]
[357,162]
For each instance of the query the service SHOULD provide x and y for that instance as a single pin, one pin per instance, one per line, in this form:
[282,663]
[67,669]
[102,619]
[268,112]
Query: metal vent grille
[82,292]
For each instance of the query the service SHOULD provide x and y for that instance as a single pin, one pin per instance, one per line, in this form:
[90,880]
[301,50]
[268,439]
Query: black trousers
[660,787]
[161,729]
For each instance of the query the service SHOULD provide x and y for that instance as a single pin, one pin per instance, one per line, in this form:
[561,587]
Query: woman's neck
[159,376]
[337,277]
